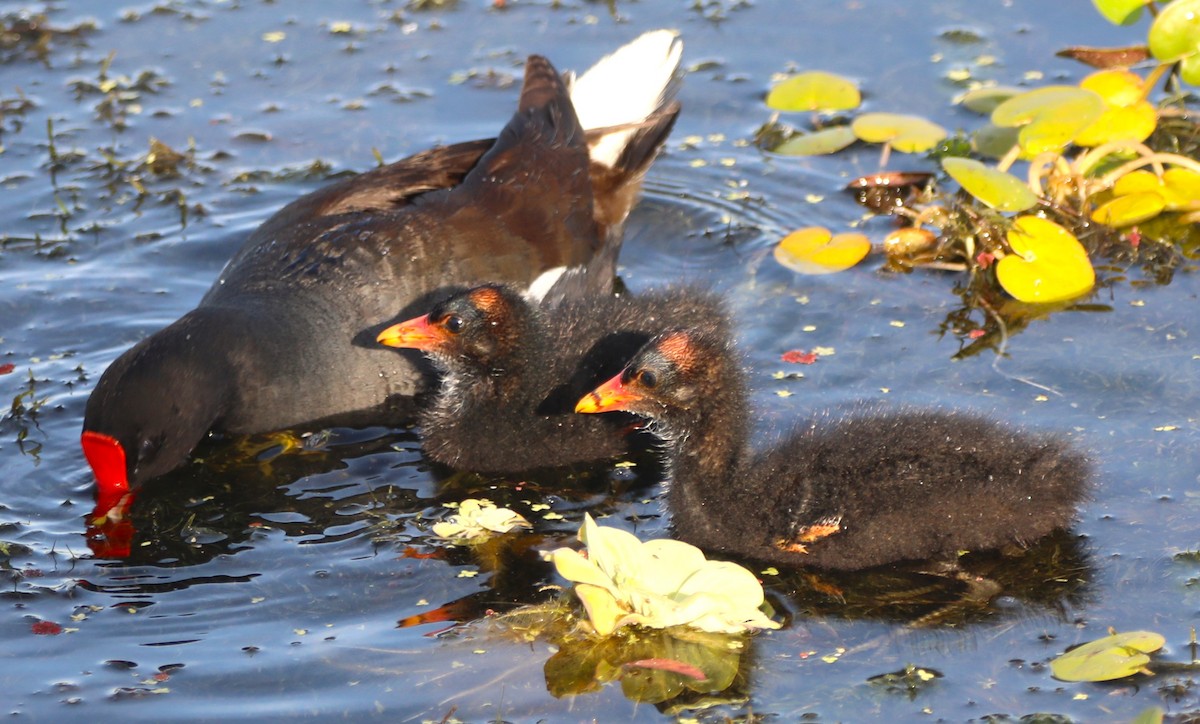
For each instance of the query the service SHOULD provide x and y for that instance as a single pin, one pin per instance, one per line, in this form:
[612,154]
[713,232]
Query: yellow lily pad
[815,250]
[1050,118]
[1130,209]
[1112,657]
[1125,123]
[1116,86]
[1048,264]
[907,134]
[814,90]
[1178,187]
[999,190]
[818,143]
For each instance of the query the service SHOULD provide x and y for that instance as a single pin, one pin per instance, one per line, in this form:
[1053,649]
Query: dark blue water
[271,584]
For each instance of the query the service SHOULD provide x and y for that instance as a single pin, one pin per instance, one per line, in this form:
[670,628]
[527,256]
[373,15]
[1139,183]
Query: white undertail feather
[626,87]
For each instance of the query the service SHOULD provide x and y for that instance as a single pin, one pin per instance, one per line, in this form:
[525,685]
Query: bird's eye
[647,379]
[147,448]
[453,323]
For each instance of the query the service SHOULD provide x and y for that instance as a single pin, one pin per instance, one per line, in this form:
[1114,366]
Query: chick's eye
[453,323]
[647,379]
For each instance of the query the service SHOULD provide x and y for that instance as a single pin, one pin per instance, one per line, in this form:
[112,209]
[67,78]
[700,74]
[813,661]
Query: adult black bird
[278,341]
[850,493]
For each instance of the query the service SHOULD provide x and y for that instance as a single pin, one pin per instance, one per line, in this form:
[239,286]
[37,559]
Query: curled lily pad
[995,188]
[1179,187]
[1130,209]
[1050,118]
[1048,264]
[1175,37]
[815,250]
[907,134]
[818,143]
[658,584]
[477,519]
[1112,657]
[814,91]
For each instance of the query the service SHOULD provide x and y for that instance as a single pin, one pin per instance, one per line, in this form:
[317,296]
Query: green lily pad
[814,91]
[815,250]
[1175,36]
[1120,12]
[994,141]
[1048,264]
[1112,657]
[984,100]
[1130,209]
[1153,715]
[999,190]
[818,143]
[907,134]
[1050,118]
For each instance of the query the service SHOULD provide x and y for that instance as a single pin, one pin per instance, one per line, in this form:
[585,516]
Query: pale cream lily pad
[477,519]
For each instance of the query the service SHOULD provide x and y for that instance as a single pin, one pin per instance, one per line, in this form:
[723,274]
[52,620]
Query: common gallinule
[512,371]
[839,493]
[278,341]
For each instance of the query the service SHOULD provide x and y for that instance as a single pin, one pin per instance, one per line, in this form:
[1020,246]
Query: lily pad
[1048,264]
[1117,86]
[999,190]
[1179,187]
[907,134]
[1175,37]
[1120,12]
[1132,123]
[994,141]
[1130,209]
[814,91]
[1050,118]
[815,250]
[658,584]
[984,100]
[818,143]
[477,519]
[1112,657]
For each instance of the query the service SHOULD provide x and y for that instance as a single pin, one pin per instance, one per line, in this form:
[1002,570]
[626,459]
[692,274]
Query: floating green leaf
[994,141]
[815,250]
[818,143]
[1120,12]
[814,91]
[1050,118]
[1048,264]
[653,666]
[1175,37]
[907,134]
[999,190]
[1153,715]
[1112,657]
[984,100]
